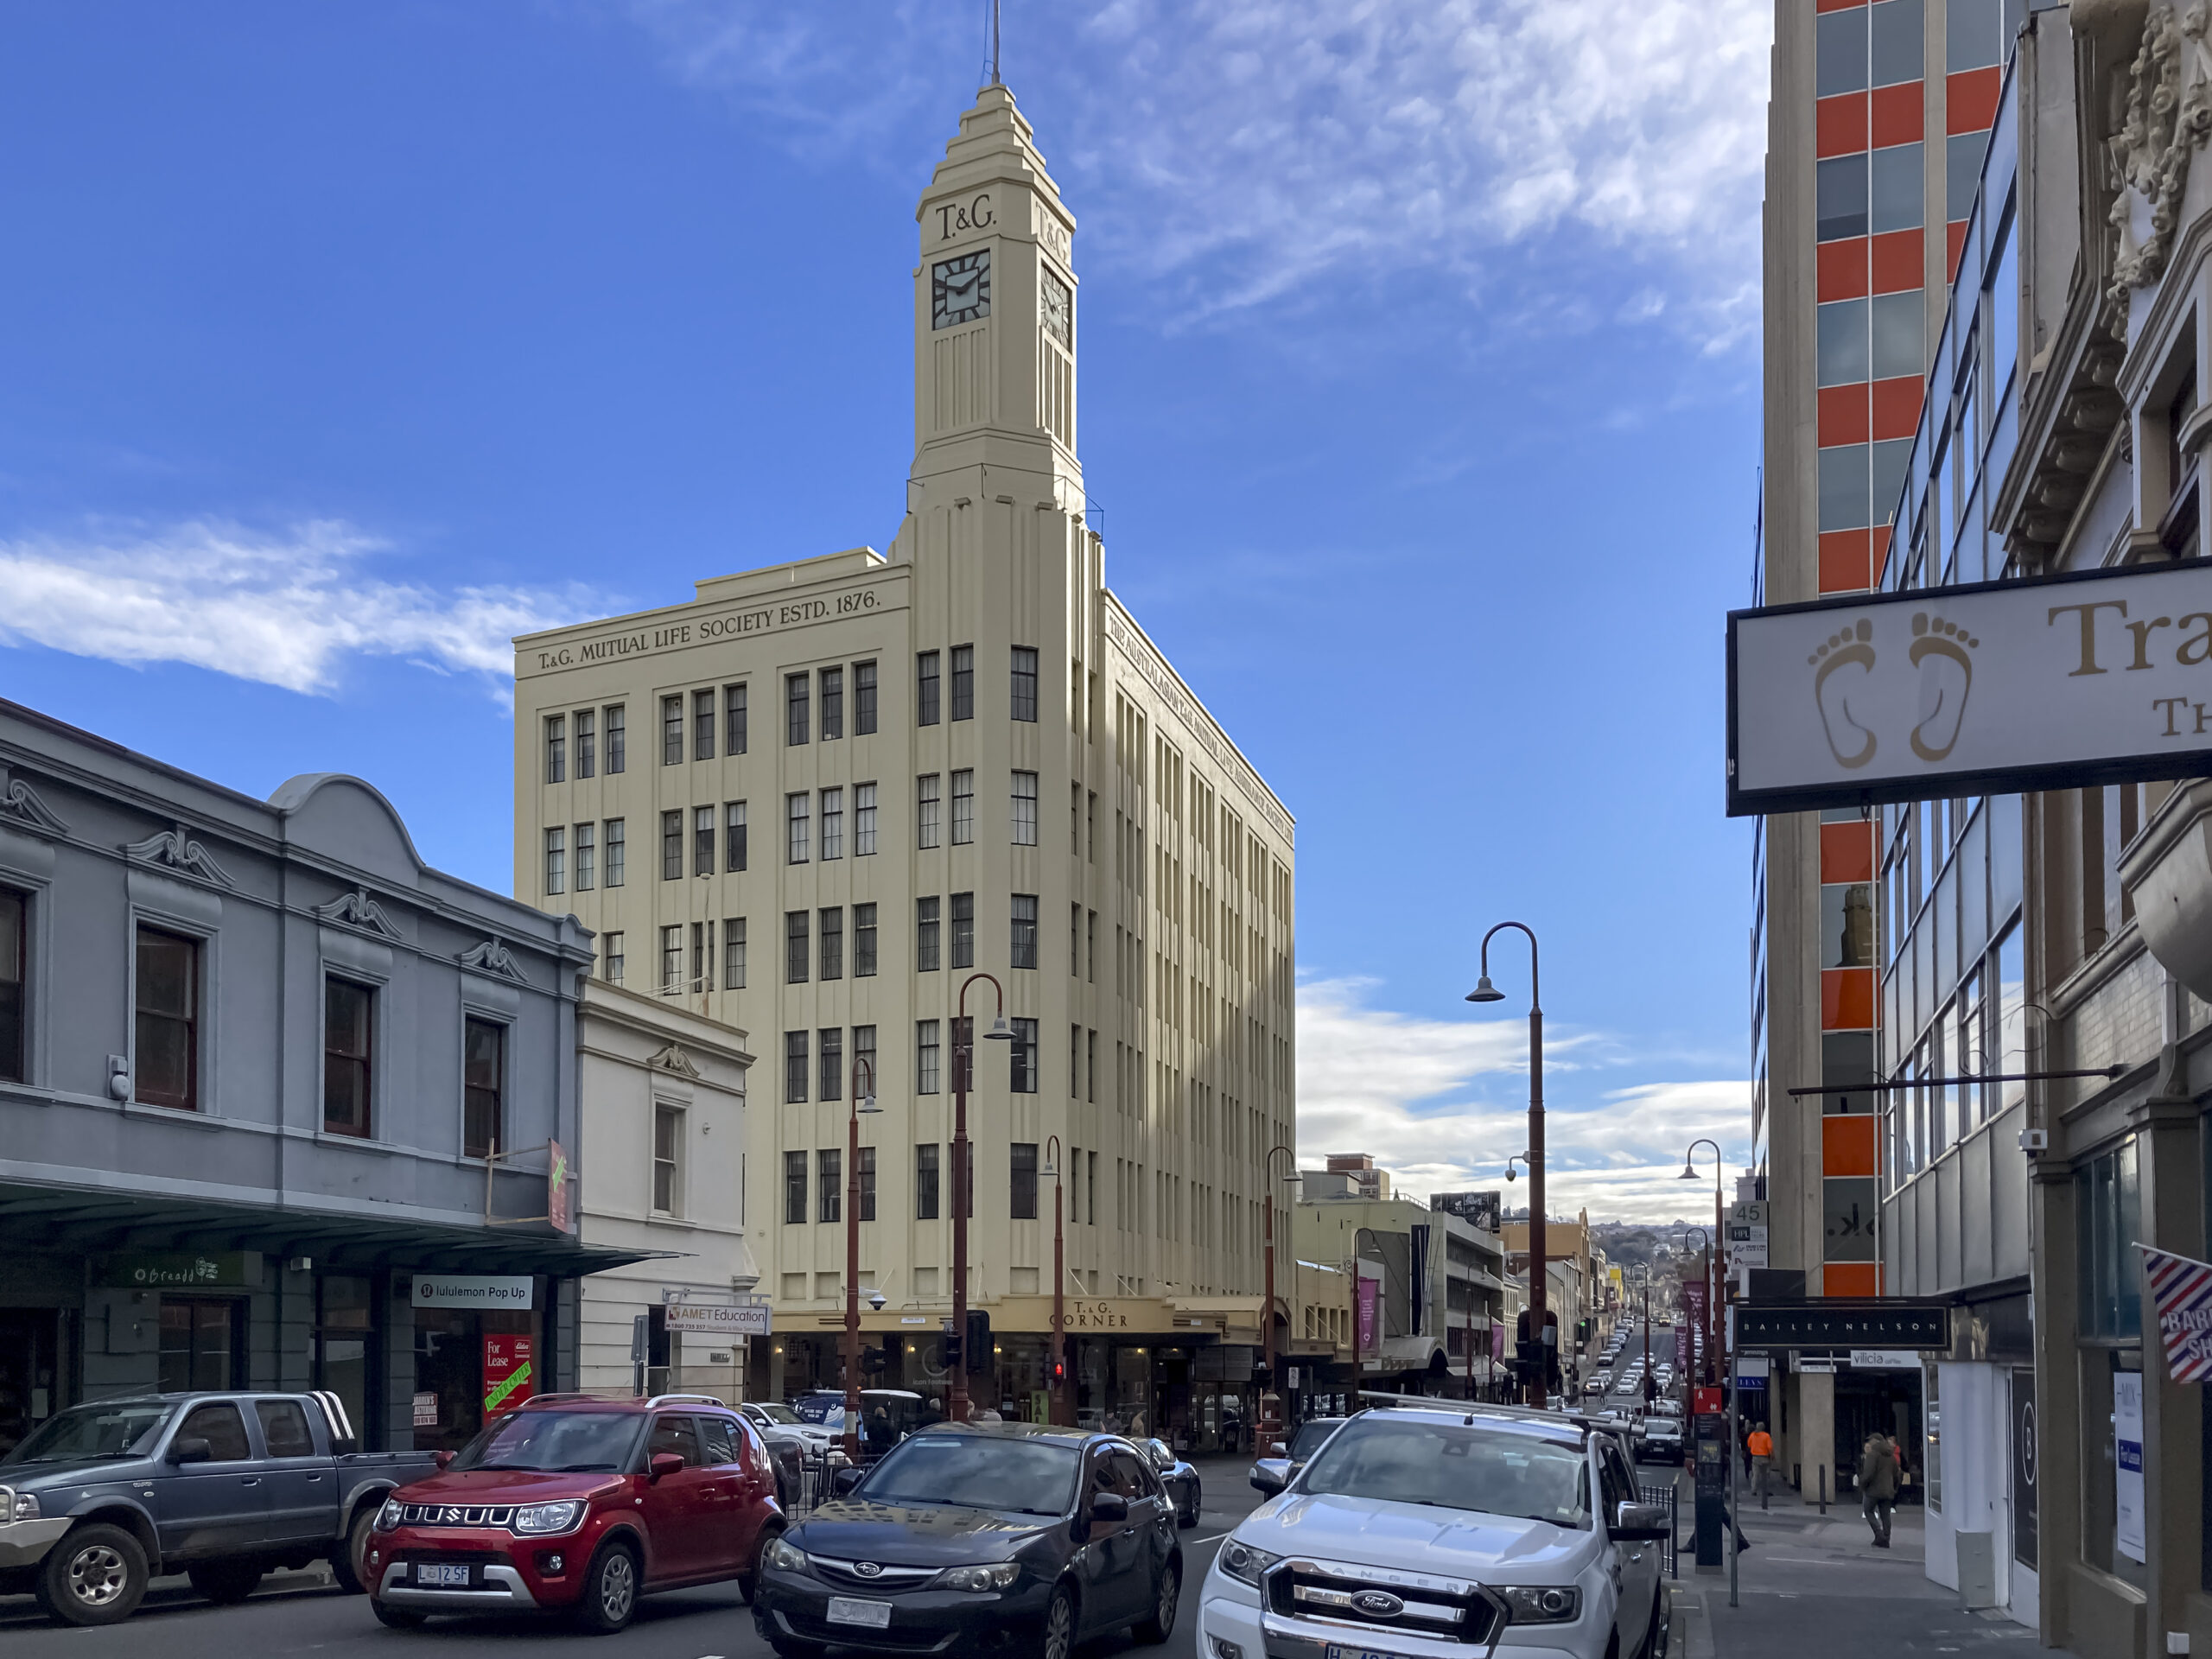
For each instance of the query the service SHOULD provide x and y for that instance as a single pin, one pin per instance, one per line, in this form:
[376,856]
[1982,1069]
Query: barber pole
[2181,1289]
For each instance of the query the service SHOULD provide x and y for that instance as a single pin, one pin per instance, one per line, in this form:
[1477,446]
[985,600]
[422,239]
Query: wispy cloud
[1437,1103]
[284,608]
[1249,148]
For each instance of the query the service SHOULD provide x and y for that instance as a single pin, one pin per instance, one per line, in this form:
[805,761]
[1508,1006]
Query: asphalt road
[292,1613]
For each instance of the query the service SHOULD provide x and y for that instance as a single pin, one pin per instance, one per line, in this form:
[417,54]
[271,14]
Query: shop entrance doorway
[203,1343]
[29,1372]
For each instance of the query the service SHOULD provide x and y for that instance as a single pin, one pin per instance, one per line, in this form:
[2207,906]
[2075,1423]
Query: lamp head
[1689,1171]
[1486,992]
[868,1105]
[1049,1167]
[999,1032]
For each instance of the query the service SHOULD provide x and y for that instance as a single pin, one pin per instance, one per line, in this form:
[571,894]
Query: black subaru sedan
[974,1538]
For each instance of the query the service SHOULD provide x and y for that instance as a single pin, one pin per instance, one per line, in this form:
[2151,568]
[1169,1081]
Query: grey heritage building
[278,1103]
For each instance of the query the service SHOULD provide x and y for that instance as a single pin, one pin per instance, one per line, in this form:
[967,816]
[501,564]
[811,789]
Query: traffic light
[1059,1370]
[874,1362]
[977,1348]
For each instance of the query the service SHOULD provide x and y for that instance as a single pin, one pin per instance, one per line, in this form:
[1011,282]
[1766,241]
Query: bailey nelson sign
[1990,688]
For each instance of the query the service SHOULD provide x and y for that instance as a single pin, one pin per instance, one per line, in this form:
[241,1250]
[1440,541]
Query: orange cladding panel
[1895,261]
[1846,999]
[1896,115]
[1840,270]
[1844,564]
[1840,124]
[1846,852]
[1842,415]
[1850,1279]
[1847,1144]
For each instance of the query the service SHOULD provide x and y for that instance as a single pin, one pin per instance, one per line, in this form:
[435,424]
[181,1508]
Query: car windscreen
[1309,1439]
[126,1428]
[776,1413]
[1453,1466]
[975,1472]
[556,1442]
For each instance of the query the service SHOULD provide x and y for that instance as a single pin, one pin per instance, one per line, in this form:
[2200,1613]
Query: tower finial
[994,64]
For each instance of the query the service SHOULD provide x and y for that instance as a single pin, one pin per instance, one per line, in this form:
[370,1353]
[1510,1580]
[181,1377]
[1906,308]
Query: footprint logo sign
[1832,685]
[1844,668]
[1939,650]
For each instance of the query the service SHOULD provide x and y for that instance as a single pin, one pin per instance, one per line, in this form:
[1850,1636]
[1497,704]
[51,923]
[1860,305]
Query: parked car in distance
[1455,1529]
[1271,1474]
[822,1412]
[1662,1441]
[220,1486]
[1181,1479]
[789,1445]
[974,1538]
[580,1503]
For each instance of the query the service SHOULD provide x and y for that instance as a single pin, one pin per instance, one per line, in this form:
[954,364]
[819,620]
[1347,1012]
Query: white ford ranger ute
[1447,1534]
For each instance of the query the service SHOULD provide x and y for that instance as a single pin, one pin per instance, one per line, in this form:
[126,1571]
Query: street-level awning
[46,1216]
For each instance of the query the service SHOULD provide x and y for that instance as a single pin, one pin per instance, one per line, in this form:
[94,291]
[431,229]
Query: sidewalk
[1813,1587]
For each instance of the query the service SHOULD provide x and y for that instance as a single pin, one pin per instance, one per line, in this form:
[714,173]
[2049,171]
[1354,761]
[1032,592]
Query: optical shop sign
[1995,688]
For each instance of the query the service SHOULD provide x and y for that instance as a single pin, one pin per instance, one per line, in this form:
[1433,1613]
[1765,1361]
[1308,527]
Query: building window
[1024,1058]
[734,954]
[925,1177]
[864,1059]
[833,823]
[833,703]
[868,1182]
[483,1078]
[926,1057]
[618,738]
[964,930]
[833,943]
[1021,1201]
[166,1063]
[795,924]
[2109,1219]
[926,689]
[795,717]
[925,936]
[1025,930]
[555,862]
[702,955]
[1025,809]
[702,840]
[668,1128]
[615,851]
[863,941]
[927,805]
[734,719]
[671,731]
[1025,683]
[587,743]
[963,807]
[587,857]
[863,699]
[345,1022]
[556,749]
[963,682]
[671,846]
[795,1069]
[795,829]
[830,1080]
[702,724]
[794,1181]
[671,957]
[611,956]
[733,841]
[863,820]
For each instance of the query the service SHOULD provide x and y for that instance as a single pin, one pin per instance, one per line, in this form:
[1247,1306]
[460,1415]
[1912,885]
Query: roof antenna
[994,64]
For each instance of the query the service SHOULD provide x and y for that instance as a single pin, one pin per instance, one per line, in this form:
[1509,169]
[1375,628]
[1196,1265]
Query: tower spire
[993,64]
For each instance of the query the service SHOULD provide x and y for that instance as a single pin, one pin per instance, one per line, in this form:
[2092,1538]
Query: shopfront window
[202,1344]
[2109,1219]
[344,1342]
[466,1367]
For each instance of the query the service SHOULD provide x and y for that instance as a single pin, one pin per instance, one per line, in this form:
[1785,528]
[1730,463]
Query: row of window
[589,841]
[800,701]
[819,1057]
[1023,1167]
[588,724]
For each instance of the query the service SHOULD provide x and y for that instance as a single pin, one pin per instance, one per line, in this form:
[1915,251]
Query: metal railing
[1669,1499]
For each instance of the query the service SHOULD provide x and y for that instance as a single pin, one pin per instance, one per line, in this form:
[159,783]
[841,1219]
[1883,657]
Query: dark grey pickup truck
[220,1486]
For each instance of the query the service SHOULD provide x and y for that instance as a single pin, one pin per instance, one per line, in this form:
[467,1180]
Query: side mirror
[662,1463]
[1109,1506]
[1279,1450]
[189,1448]
[1161,1457]
[441,1459]
[844,1480]
[1266,1480]
[1639,1523]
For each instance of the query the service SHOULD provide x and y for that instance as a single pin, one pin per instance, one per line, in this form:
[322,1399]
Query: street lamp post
[1704,1270]
[963,1063]
[1060,1378]
[1270,1426]
[1720,1256]
[860,1103]
[1486,992]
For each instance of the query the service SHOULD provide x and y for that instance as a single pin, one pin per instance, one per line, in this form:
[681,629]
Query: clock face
[1056,310]
[960,289]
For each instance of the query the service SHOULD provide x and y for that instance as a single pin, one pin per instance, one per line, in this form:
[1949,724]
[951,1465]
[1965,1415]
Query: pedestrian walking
[1761,1447]
[1878,1485]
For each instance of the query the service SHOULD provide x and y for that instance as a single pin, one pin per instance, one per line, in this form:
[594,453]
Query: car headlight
[999,1575]
[1542,1604]
[388,1516]
[18,1506]
[785,1556]
[549,1517]
[1245,1564]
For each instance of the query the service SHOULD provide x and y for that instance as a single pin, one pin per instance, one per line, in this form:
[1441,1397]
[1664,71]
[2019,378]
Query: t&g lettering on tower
[1998,688]
[957,218]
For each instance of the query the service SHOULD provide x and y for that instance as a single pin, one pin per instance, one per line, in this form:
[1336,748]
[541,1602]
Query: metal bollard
[1824,1488]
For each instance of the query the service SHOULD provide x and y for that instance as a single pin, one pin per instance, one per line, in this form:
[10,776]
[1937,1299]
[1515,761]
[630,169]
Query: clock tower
[995,316]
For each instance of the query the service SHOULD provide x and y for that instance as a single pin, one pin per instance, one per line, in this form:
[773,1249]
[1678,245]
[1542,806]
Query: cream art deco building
[813,800]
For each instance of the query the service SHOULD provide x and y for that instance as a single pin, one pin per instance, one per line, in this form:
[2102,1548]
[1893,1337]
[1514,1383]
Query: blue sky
[337,344]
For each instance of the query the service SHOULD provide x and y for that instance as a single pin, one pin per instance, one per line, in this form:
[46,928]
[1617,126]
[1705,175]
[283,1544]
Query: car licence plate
[851,1610]
[1336,1652]
[442,1574]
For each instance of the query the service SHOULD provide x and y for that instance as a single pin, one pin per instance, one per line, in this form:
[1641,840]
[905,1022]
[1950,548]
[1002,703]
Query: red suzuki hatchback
[579,1504]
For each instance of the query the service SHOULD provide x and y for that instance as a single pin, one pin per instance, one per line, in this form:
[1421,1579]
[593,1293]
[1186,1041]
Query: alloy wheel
[1170,1583]
[618,1587]
[97,1575]
[1060,1628]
